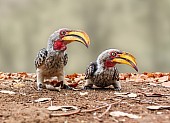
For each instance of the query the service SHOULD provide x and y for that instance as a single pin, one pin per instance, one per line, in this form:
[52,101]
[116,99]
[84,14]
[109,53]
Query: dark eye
[63,32]
[113,54]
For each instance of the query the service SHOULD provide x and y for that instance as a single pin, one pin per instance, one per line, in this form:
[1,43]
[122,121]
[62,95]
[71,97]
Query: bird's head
[59,39]
[111,57]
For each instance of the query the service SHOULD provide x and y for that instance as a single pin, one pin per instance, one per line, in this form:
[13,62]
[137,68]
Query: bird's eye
[113,54]
[63,32]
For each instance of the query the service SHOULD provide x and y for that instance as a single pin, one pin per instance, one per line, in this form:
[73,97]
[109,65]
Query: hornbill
[103,73]
[50,62]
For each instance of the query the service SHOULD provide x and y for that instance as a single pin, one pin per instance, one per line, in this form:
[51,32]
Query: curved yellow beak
[126,58]
[79,36]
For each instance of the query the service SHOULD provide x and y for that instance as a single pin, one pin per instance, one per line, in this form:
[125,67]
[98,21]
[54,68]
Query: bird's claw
[40,87]
[117,89]
[87,87]
[65,86]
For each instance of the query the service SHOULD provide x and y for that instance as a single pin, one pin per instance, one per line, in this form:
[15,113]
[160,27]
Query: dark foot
[67,87]
[117,89]
[40,87]
[87,87]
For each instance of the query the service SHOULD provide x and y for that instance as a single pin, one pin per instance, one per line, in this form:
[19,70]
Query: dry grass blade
[91,110]
[109,107]
[95,109]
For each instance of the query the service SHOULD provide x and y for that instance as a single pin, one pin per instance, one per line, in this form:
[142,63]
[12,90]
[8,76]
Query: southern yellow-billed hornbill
[103,72]
[50,62]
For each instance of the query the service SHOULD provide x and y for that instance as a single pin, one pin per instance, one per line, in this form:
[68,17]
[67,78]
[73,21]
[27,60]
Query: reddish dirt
[21,107]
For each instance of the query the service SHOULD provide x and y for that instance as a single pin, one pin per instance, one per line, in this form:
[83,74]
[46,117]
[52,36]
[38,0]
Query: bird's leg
[61,78]
[88,84]
[117,86]
[40,80]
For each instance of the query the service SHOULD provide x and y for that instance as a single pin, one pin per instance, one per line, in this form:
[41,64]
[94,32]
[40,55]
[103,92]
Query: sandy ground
[93,106]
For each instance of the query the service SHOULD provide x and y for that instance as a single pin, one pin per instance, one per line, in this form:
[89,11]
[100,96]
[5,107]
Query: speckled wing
[116,74]
[65,59]
[90,70]
[41,56]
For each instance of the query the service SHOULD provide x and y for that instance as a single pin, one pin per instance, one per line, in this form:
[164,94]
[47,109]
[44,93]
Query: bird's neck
[56,52]
[105,64]
[51,49]
[49,45]
[109,64]
[101,68]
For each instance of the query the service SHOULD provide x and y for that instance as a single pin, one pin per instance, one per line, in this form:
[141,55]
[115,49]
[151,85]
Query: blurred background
[141,27]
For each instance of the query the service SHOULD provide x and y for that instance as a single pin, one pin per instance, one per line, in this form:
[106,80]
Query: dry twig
[99,117]
[91,110]
[109,107]
[95,109]
[85,111]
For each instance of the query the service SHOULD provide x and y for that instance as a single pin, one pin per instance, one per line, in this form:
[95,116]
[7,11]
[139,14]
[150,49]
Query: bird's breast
[103,78]
[53,64]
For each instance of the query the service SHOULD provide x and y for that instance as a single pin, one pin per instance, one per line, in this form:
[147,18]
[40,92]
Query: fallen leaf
[132,95]
[53,83]
[155,95]
[126,94]
[82,77]
[54,108]
[77,80]
[143,76]
[151,80]
[73,76]
[166,84]
[7,92]
[30,79]
[42,99]
[158,75]
[153,84]
[150,75]
[73,84]
[34,76]
[19,85]
[159,113]
[63,108]
[152,95]
[158,107]
[124,76]
[67,79]
[121,94]
[119,113]
[83,93]
[22,74]
[2,76]
[143,88]
[163,79]
[53,88]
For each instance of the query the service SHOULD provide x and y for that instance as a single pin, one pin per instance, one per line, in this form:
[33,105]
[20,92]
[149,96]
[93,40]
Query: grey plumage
[101,76]
[41,56]
[50,62]
[103,72]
